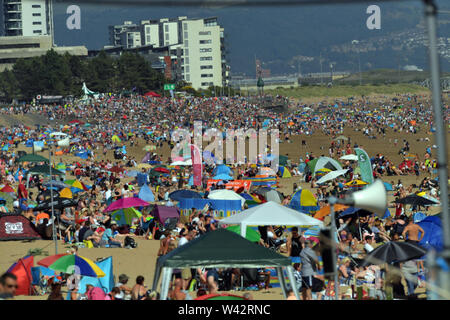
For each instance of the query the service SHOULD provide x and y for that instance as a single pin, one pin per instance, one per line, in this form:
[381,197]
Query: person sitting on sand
[109,236]
[122,285]
[138,292]
[167,243]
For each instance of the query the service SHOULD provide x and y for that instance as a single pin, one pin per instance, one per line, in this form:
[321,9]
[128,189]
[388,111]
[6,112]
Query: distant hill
[277,35]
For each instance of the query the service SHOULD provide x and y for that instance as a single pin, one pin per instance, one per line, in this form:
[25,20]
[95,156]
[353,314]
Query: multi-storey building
[27,18]
[196,46]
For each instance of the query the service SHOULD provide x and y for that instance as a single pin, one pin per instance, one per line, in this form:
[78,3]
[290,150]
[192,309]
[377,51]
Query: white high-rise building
[198,44]
[27,18]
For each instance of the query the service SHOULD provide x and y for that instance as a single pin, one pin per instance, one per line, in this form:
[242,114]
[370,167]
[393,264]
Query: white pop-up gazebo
[269,214]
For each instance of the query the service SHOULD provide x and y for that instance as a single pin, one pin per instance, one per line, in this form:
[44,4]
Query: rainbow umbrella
[77,184]
[70,263]
[66,193]
[304,201]
[322,172]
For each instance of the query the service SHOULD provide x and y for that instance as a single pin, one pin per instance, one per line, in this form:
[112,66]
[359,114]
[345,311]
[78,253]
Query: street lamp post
[440,136]
[51,199]
[355,42]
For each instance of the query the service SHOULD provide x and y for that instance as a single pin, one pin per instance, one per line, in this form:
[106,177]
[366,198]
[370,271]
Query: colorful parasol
[72,264]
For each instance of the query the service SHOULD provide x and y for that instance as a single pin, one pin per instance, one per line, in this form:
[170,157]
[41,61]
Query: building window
[186,60]
[186,43]
[185,26]
[188,77]
[204,84]
[36,14]
[185,35]
[207,75]
[186,69]
[205,41]
[37,23]
[206,67]
[167,36]
[166,28]
[204,33]
[186,52]
[167,43]
[37,31]
[36,6]
[148,39]
[205,50]
[205,58]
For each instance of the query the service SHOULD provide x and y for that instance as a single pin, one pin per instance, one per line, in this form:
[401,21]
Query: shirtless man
[412,230]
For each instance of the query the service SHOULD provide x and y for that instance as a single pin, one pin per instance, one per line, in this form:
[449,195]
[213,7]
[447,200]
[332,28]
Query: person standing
[294,245]
[309,266]
[412,231]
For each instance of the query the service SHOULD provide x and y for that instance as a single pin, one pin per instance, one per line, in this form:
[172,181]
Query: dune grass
[348,90]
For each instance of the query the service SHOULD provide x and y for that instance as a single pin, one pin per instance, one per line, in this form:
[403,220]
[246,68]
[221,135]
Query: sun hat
[123,277]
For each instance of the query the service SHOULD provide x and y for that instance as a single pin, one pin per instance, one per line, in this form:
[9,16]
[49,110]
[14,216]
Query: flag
[364,165]
[196,157]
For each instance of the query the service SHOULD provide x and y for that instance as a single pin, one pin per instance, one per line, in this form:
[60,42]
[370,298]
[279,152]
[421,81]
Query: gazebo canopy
[270,213]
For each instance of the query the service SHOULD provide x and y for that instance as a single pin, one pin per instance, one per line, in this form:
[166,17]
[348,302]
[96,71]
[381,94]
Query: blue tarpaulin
[433,237]
[146,194]
[141,179]
[106,282]
[222,169]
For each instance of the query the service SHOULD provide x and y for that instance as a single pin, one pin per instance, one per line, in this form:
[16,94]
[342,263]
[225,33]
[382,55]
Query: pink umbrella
[126,203]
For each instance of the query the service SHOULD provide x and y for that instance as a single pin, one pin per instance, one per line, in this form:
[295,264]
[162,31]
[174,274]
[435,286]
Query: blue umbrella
[222,169]
[133,173]
[56,184]
[223,176]
[354,211]
[183,194]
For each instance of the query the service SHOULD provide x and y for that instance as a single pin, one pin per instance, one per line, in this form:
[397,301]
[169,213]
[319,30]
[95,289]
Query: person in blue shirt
[109,235]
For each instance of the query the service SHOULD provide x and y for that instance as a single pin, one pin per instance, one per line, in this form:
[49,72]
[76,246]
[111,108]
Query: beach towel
[96,293]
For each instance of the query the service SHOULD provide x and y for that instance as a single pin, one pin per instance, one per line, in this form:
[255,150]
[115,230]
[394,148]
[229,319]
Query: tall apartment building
[28,18]
[196,46]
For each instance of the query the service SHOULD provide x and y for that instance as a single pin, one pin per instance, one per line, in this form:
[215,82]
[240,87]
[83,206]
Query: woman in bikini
[138,292]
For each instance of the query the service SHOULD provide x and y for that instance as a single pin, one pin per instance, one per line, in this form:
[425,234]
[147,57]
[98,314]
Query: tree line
[56,74]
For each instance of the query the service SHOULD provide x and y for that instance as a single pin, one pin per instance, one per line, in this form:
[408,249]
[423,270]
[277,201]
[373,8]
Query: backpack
[170,223]
[130,242]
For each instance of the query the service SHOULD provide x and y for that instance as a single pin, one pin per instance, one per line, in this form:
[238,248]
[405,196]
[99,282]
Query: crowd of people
[117,122]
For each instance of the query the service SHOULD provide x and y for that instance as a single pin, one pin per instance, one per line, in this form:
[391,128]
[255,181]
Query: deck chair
[250,276]
[40,278]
